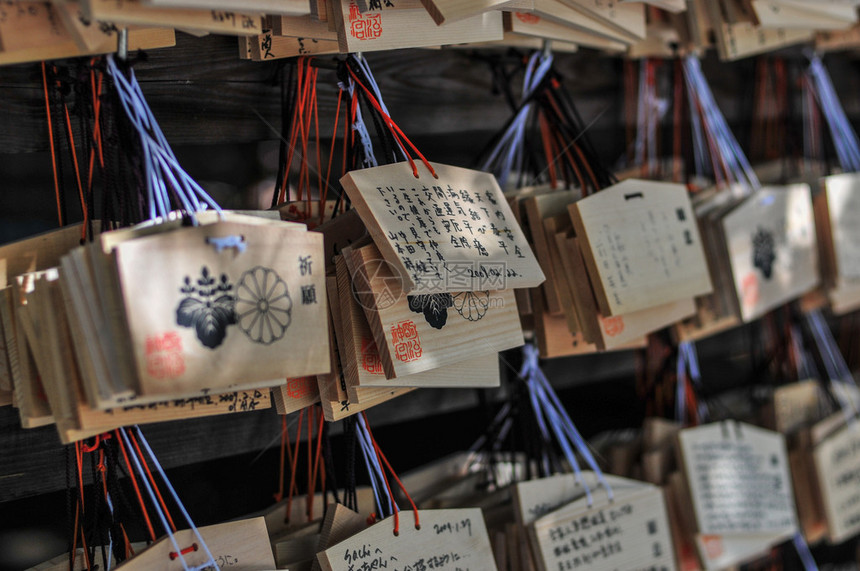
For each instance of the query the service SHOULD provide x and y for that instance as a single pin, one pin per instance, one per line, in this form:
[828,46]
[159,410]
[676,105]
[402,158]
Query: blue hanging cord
[842,133]
[159,160]
[837,371]
[372,460]
[571,430]
[681,388]
[509,149]
[804,552]
[730,151]
[371,470]
[560,421]
[692,360]
[211,561]
[155,503]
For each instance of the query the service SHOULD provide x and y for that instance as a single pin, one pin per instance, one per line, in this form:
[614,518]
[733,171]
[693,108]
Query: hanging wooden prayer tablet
[242,544]
[446,11]
[454,233]
[837,212]
[837,463]
[406,24]
[772,248]
[134,12]
[416,333]
[362,364]
[739,479]
[232,303]
[627,19]
[641,245]
[334,394]
[534,499]
[630,532]
[448,540]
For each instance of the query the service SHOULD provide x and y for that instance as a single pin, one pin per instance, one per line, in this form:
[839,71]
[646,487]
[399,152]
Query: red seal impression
[404,338]
[613,326]
[370,360]
[364,26]
[164,358]
[299,387]
[750,290]
[527,18]
[713,545]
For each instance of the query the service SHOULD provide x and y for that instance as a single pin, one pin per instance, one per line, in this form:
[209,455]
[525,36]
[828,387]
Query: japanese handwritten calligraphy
[455,233]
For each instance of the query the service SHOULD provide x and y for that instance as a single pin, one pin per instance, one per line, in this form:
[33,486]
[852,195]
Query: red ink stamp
[404,338]
[527,18]
[370,360]
[713,545]
[164,358]
[364,26]
[299,387]
[750,290]
[613,326]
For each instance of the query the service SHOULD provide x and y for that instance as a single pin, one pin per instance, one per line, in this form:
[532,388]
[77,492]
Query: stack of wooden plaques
[94,340]
[421,278]
[744,28]
[272,29]
[762,253]
[620,264]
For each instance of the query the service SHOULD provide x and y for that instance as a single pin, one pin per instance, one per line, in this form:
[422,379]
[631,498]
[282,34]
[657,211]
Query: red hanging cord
[313,483]
[51,141]
[310,490]
[135,485]
[677,119]
[295,459]
[279,495]
[152,481]
[395,130]
[324,190]
[547,148]
[384,460]
[77,170]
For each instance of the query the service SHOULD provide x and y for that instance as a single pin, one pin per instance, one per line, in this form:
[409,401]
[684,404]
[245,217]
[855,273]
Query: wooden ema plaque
[838,213]
[41,31]
[772,248]
[626,19]
[738,478]
[534,499]
[242,544]
[641,245]
[60,373]
[837,463]
[422,332]
[456,233]
[548,21]
[798,14]
[362,364]
[225,314]
[334,393]
[135,12]
[630,532]
[448,540]
[443,11]
[406,24]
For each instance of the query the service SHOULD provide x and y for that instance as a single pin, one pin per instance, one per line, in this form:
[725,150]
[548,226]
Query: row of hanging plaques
[268,29]
[711,497]
[421,276]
